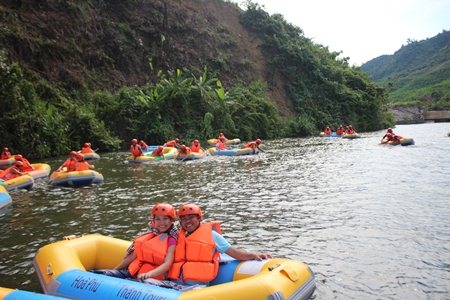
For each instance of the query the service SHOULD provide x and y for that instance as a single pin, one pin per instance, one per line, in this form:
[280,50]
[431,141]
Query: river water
[372,221]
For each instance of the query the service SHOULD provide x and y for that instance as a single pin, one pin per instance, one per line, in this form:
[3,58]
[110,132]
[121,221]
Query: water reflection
[372,221]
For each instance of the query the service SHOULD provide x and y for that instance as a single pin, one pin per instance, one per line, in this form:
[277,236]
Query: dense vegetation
[417,74]
[60,87]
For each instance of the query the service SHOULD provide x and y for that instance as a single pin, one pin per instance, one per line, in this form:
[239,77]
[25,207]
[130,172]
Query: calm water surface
[372,221]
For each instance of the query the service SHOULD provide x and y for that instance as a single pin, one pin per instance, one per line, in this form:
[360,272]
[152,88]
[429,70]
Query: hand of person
[144,275]
[261,256]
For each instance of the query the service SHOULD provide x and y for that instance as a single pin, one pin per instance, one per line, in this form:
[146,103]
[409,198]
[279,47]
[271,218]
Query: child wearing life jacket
[151,254]
[26,164]
[254,145]
[87,148]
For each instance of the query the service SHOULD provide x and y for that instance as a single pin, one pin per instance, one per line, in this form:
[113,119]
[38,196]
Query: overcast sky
[363,29]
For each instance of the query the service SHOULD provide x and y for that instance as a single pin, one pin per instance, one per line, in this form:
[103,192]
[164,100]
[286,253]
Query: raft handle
[49,270]
[271,268]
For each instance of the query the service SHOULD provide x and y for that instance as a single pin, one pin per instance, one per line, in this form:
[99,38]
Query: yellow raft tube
[168,153]
[62,270]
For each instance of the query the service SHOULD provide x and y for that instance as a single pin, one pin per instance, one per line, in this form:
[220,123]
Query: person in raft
[340,130]
[254,145]
[151,254]
[198,249]
[173,143]
[327,130]
[159,151]
[81,164]
[5,153]
[196,146]
[350,130]
[70,164]
[389,133]
[222,136]
[26,164]
[135,149]
[220,145]
[12,172]
[87,148]
[143,145]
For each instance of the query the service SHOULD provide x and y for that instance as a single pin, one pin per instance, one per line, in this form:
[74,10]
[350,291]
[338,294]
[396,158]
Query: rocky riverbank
[408,114]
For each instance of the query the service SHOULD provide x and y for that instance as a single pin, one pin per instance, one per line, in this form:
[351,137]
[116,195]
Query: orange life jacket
[327,131]
[251,145]
[9,174]
[70,164]
[158,151]
[136,150]
[171,143]
[82,166]
[26,165]
[196,256]
[220,145]
[196,148]
[151,251]
[143,145]
[87,150]
[340,131]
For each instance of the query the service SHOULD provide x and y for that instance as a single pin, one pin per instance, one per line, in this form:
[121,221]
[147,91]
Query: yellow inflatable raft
[40,171]
[229,142]
[76,178]
[5,163]
[168,153]
[191,155]
[62,270]
[24,182]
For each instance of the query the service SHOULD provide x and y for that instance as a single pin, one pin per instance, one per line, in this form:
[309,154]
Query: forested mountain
[107,71]
[418,72]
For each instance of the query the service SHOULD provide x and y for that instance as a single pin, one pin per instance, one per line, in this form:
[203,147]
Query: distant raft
[76,178]
[229,142]
[24,182]
[168,153]
[91,156]
[40,171]
[5,163]
[333,134]
[350,136]
[407,141]
[62,268]
[233,152]
[5,198]
[191,155]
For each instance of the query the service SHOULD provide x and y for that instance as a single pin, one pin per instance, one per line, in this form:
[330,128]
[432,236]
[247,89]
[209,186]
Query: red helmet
[18,163]
[389,130]
[189,209]
[196,141]
[73,153]
[177,140]
[18,157]
[258,141]
[86,144]
[163,209]
[5,149]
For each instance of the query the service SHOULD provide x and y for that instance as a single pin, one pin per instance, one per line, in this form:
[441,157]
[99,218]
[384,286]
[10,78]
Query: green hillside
[418,73]
[108,71]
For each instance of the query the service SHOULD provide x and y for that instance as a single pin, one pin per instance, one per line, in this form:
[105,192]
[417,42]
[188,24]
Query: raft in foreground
[62,270]
[232,152]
